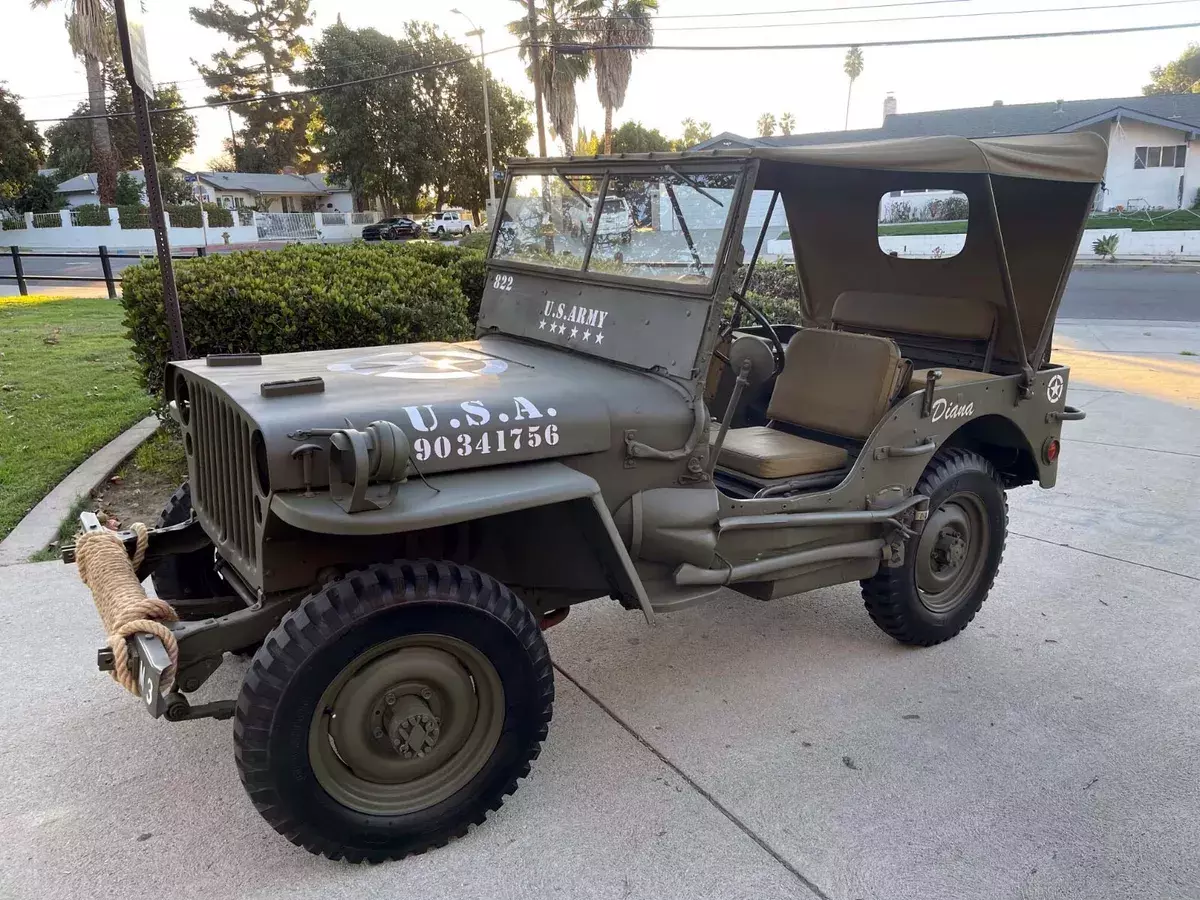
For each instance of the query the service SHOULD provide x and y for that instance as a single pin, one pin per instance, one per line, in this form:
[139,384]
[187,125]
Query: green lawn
[924,228]
[68,385]
[1155,220]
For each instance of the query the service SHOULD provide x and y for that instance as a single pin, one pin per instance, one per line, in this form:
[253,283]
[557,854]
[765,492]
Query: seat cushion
[949,377]
[770,453]
[838,382]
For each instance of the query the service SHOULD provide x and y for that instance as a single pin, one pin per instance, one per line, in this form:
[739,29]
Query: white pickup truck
[448,221]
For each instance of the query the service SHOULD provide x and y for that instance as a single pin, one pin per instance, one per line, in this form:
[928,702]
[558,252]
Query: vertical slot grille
[223,493]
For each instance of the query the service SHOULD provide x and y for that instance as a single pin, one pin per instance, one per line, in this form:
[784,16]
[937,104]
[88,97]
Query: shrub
[135,216]
[301,297]
[14,224]
[476,240]
[129,192]
[1106,247]
[90,214]
[776,280]
[218,216]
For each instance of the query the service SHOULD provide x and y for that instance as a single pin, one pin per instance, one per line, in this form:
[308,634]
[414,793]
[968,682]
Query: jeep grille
[223,488]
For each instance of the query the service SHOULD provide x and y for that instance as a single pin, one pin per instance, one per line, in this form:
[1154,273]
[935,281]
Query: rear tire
[466,230]
[392,709]
[949,567]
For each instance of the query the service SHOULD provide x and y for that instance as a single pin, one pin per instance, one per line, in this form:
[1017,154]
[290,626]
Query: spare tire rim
[406,725]
[951,552]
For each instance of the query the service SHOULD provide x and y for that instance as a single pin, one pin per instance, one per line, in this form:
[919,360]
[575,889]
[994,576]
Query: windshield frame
[605,169]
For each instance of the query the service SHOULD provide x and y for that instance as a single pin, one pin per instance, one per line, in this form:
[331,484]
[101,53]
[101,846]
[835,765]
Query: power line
[837,45]
[288,95]
[965,15]
[584,48]
[788,12]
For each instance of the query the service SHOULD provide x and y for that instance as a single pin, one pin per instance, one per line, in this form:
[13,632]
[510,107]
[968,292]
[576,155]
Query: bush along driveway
[68,385]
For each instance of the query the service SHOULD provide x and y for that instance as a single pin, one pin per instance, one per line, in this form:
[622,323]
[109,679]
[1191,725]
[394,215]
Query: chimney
[290,170]
[889,105]
[997,103]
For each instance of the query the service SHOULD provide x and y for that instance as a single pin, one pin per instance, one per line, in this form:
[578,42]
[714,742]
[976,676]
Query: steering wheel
[777,351]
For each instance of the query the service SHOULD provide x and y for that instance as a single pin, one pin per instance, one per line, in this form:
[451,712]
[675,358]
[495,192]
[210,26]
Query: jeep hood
[479,403]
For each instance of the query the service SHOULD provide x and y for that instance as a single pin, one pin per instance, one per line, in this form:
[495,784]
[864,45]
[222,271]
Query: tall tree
[694,133]
[558,22]
[70,149]
[1179,76]
[91,31]
[623,24]
[853,67]
[20,149]
[413,137]
[787,123]
[266,45]
[766,124]
[633,137]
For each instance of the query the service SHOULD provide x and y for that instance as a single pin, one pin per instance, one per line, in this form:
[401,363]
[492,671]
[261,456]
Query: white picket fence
[286,226]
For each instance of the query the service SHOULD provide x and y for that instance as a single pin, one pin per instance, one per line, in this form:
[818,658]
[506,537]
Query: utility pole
[535,55]
[137,70]
[232,138]
[487,114]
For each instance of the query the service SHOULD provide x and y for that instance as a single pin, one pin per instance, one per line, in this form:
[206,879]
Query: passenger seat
[837,382]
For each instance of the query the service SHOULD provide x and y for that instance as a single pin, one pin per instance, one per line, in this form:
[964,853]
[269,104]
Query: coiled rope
[124,608]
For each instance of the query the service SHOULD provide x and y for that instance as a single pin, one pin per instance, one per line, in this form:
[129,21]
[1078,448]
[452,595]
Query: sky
[728,89]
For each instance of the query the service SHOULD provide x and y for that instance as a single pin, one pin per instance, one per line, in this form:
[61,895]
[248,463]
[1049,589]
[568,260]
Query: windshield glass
[665,226]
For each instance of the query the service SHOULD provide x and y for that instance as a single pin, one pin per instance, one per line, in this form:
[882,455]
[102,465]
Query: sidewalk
[740,749]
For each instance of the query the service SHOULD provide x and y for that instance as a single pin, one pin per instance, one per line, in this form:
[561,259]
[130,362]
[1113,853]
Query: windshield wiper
[574,190]
[695,185]
[687,234]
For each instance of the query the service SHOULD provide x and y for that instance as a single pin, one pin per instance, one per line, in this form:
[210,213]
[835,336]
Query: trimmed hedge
[304,297]
[90,214]
[183,215]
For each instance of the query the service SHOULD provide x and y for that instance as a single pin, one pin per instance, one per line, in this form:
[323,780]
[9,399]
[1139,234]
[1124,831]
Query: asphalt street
[739,749]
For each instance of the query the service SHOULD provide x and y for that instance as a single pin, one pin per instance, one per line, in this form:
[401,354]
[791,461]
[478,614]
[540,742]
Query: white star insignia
[562,329]
[574,332]
[599,337]
[586,334]
[542,324]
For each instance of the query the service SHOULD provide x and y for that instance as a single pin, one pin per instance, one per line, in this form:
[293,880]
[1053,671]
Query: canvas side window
[930,224]
[1139,157]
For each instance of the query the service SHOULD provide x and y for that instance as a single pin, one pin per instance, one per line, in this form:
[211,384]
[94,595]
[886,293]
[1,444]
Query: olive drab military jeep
[388,530]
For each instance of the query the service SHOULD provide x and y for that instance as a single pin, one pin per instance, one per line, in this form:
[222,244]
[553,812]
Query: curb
[40,525]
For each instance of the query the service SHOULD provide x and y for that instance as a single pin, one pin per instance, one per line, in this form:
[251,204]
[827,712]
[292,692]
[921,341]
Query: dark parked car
[391,230]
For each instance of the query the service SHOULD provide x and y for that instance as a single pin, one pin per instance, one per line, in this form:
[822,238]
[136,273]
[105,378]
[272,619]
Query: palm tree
[558,22]
[91,33]
[787,123]
[626,23]
[766,124]
[853,67]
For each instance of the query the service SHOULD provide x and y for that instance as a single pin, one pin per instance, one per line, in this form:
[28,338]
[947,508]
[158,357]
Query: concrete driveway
[742,749]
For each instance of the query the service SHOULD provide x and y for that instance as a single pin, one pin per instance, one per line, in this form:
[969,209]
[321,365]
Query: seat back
[950,317]
[838,382]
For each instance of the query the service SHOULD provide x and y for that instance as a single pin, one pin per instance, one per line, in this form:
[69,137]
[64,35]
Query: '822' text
[501,440]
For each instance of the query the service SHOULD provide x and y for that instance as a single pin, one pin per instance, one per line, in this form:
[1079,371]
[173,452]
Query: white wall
[1133,245]
[1158,187]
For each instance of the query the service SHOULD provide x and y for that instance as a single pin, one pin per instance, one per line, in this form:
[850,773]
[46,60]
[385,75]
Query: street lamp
[476,31]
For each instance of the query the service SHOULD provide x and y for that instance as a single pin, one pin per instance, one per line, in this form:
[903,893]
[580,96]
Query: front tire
[466,230]
[949,567]
[392,709]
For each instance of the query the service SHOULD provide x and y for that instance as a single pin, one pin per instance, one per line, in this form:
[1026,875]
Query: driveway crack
[713,801]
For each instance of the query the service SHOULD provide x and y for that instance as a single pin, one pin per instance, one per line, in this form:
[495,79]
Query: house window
[1173,156]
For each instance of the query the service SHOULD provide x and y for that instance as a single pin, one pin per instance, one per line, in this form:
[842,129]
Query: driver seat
[835,382]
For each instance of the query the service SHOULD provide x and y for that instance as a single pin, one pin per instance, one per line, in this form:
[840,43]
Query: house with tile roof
[1153,142]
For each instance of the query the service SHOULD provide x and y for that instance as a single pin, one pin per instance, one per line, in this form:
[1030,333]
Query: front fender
[447,499]
[455,497]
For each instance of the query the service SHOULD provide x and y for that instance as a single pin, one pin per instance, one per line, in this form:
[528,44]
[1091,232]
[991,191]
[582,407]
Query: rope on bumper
[124,608]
